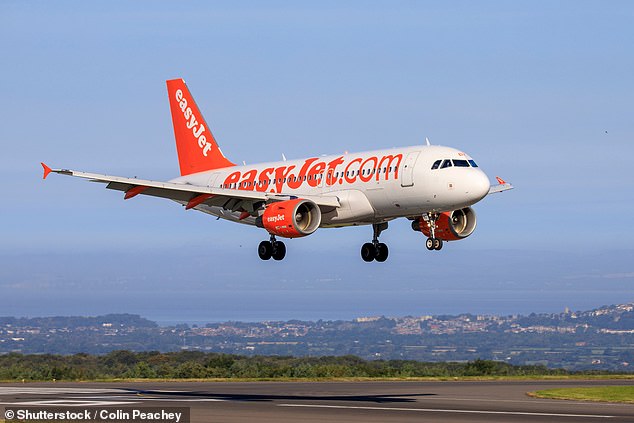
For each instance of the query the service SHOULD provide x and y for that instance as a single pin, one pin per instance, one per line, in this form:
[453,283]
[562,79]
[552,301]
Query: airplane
[431,185]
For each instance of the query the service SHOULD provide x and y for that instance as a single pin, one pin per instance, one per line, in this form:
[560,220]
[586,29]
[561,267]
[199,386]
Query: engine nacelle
[450,226]
[290,218]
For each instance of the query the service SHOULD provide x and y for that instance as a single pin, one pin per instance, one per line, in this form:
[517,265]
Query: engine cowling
[290,218]
[450,226]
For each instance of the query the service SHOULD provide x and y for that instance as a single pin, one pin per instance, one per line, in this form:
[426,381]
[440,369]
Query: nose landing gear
[375,250]
[272,248]
[432,242]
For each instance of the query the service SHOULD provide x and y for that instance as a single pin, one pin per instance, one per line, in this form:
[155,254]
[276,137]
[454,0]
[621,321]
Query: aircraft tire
[438,244]
[279,252]
[265,250]
[429,244]
[381,252]
[368,252]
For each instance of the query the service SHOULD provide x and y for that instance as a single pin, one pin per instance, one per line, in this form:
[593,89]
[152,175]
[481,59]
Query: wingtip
[47,170]
[500,180]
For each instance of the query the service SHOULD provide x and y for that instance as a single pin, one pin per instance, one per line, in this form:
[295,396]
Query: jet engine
[290,218]
[450,226]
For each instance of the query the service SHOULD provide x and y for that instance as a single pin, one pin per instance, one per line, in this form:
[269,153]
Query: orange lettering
[318,169]
[368,170]
[351,179]
[232,179]
[248,180]
[296,182]
[263,180]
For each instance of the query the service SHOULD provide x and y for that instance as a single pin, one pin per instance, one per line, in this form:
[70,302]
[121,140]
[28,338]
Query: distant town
[601,339]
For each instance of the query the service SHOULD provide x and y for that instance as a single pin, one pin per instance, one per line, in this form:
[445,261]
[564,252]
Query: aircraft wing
[193,195]
[501,186]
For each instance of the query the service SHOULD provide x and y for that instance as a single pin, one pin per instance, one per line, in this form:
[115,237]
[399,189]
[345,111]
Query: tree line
[195,364]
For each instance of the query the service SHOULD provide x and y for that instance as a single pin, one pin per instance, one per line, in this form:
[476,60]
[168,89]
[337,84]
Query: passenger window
[436,165]
[445,164]
[472,163]
[461,163]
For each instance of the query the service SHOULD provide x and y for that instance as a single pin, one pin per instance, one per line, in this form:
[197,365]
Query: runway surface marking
[439,410]
[70,403]
[12,390]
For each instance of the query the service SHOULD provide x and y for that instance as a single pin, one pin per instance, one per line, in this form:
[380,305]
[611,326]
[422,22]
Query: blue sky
[540,93]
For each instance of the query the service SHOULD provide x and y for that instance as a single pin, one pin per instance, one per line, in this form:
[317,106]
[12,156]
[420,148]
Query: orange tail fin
[196,146]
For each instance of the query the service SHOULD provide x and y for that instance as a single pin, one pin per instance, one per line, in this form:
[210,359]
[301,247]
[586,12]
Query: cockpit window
[472,163]
[445,163]
[436,164]
[460,163]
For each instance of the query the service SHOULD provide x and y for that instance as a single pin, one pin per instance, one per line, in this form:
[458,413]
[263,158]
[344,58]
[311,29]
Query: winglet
[47,170]
[502,186]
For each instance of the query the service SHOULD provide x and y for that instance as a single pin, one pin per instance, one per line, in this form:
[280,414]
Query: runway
[501,401]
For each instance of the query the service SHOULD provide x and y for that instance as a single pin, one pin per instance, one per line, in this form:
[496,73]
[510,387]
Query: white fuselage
[373,186]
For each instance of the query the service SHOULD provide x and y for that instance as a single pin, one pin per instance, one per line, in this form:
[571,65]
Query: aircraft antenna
[283,157]
[427,141]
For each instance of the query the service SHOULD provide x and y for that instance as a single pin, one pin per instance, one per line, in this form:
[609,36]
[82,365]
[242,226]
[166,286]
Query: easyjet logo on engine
[313,171]
[275,219]
[191,122]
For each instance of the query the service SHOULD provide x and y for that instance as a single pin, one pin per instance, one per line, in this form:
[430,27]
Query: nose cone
[478,185]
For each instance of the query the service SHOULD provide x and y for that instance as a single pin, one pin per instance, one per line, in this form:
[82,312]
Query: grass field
[624,394]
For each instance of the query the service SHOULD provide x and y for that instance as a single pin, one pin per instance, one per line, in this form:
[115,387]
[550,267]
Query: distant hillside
[74,322]
[601,339]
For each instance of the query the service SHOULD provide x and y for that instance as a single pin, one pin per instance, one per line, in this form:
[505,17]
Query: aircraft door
[212,180]
[407,173]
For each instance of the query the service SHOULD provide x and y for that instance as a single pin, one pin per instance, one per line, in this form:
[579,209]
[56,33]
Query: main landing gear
[375,250]
[432,242]
[272,248]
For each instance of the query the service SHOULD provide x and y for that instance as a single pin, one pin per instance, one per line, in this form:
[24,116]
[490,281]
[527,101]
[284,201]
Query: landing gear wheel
[437,244]
[429,244]
[279,251]
[265,250]
[381,252]
[375,250]
[368,252]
